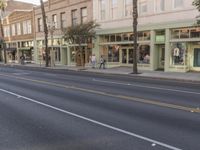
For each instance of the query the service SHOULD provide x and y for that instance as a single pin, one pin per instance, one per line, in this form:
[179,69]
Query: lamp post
[51,28]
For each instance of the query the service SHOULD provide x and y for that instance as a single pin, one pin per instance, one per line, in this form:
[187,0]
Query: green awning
[25,48]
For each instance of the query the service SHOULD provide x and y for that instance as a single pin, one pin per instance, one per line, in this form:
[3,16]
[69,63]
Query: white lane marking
[21,73]
[93,121]
[149,87]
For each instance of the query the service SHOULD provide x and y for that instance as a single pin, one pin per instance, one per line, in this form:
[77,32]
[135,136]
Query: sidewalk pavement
[189,76]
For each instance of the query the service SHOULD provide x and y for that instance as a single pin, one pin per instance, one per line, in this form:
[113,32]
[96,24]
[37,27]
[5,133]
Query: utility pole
[135,23]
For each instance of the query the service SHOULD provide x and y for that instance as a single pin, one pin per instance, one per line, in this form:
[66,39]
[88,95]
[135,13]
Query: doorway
[127,56]
[197,57]
[161,57]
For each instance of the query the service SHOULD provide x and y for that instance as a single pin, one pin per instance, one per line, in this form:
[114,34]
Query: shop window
[195,33]
[118,38]
[113,53]
[175,34]
[125,37]
[112,38]
[73,54]
[144,54]
[178,52]
[184,33]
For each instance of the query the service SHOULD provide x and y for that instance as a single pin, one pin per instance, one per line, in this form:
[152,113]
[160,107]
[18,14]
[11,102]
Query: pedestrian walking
[102,62]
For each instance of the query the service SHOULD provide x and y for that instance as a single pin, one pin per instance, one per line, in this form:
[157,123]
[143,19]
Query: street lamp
[51,29]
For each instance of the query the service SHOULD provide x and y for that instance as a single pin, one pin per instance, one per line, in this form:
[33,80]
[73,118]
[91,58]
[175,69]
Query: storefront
[117,49]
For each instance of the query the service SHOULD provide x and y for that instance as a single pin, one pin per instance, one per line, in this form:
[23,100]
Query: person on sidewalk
[102,62]
[22,59]
[93,60]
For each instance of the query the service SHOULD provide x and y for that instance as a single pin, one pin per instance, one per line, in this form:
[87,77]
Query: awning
[11,49]
[25,48]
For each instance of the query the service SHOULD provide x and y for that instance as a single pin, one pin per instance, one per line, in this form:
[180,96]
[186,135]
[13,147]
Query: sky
[31,1]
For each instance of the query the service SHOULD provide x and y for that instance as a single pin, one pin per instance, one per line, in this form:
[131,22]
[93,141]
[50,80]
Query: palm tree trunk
[46,33]
[2,40]
[135,23]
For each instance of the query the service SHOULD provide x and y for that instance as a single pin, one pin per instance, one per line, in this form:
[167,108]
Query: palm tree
[45,33]
[80,34]
[196,3]
[135,23]
[3,5]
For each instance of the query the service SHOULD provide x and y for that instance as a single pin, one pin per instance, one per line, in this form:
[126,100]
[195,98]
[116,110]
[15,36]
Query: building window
[13,30]
[144,54]
[128,8]
[114,9]
[29,27]
[143,7]
[7,31]
[113,53]
[83,15]
[178,4]
[102,5]
[25,27]
[18,29]
[39,24]
[178,53]
[159,5]
[74,17]
[63,21]
[54,21]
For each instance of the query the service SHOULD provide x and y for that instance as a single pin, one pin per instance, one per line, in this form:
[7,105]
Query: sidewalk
[189,76]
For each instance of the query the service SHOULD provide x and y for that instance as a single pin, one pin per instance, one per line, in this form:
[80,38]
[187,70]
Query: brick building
[61,14]
[19,35]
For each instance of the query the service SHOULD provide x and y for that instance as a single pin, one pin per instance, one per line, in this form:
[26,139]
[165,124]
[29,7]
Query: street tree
[45,33]
[3,5]
[80,34]
[135,45]
[196,3]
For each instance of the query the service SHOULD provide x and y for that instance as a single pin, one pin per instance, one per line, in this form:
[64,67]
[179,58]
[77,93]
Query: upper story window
[29,26]
[7,31]
[114,9]
[178,4]
[83,15]
[143,7]
[128,8]
[159,5]
[74,17]
[39,24]
[102,5]
[54,21]
[63,21]
[19,29]
[13,30]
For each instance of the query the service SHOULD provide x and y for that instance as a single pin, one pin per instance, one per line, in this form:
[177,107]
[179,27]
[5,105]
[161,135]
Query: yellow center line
[136,99]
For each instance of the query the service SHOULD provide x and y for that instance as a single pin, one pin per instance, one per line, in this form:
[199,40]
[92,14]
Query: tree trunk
[135,23]
[46,33]
[3,44]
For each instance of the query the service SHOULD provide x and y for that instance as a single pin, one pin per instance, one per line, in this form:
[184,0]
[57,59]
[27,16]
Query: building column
[167,50]
[68,56]
[153,58]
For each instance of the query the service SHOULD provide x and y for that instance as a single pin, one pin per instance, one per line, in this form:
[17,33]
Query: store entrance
[161,57]
[197,57]
[127,55]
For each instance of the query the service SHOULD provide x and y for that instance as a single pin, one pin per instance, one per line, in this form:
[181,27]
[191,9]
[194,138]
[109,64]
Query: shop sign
[160,38]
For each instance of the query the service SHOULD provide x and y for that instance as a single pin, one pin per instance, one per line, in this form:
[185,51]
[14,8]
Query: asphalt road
[41,110]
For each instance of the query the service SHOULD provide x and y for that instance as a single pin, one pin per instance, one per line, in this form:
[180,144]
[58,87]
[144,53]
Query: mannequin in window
[176,54]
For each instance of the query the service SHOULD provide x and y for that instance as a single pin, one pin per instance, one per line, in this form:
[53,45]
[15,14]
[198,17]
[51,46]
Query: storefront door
[197,57]
[124,56]
[161,57]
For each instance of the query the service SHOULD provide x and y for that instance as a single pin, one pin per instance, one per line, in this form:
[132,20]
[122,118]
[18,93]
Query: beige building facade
[167,37]
[61,14]
[19,36]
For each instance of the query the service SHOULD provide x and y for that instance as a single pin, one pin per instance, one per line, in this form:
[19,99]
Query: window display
[144,54]
[178,52]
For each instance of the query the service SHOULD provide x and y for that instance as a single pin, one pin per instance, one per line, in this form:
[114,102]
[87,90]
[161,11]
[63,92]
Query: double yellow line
[135,99]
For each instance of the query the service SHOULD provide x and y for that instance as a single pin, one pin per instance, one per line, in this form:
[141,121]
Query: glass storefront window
[112,38]
[107,38]
[73,54]
[113,53]
[175,34]
[125,37]
[118,37]
[184,33]
[195,33]
[178,52]
[144,54]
